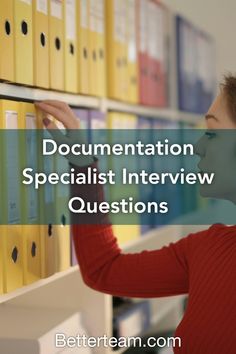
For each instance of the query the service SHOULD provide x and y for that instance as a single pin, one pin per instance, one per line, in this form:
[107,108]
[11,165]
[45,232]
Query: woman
[202,264]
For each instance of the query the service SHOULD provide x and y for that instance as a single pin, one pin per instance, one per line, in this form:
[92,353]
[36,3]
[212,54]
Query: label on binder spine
[42,6]
[70,19]
[29,2]
[84,14]
[56,8]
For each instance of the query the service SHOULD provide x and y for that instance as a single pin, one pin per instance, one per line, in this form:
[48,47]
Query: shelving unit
[67,289]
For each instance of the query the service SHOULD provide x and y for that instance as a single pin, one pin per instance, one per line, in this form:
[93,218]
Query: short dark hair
[228,87]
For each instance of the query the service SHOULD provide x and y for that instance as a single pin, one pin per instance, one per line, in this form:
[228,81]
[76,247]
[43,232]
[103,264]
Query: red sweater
[202,264]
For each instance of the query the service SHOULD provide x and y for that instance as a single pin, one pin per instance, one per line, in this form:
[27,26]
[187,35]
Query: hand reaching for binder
[73,132]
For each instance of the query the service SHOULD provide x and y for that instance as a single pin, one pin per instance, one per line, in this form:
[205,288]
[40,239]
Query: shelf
[33,94]
[104,104]
[38,284]
[141,242]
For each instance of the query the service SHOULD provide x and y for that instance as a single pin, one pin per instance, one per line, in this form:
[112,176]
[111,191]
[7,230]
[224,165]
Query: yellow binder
[119,121]
[62,215]
[1,261]
[93,55]
[46,206]
[2,230]
[41,43]
[11,237]
[29,196]
[56,45]
[83,46]
[132,52]
[71,51]
[101,49]
[23,42]
[6,40]
[115,38]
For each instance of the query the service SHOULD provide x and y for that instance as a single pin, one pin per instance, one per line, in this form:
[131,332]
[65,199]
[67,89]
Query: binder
[84,118]
[132,51]
[160,79]
[62,214]
[23,42]
[41,43]
[11,203]
[56,45]
[115,36]
[143,51]
[187,65]
[7,70]
[144,132]
[93,55]
[151,43]
[2,231]
[46,205]
[118,122]
[71,51]
[83,46]
[101,49]
[29,196]
[98,135]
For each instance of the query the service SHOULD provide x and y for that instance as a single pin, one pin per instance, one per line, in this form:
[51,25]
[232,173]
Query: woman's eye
[210,135]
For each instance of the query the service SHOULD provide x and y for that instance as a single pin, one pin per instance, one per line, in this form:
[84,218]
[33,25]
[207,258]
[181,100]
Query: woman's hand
[73,134]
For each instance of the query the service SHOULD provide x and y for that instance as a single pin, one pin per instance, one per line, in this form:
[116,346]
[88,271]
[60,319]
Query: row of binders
[32,251]
[114,48]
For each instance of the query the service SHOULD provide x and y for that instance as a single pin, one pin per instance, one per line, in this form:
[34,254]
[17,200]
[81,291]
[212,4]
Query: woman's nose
[200,147]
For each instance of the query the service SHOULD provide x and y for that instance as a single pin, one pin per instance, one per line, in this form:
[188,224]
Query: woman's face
[217,151]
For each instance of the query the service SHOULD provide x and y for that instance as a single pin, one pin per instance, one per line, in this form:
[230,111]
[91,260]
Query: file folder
[84,119]
[46,205]
[116,123]
[98,135]
[23,42]
[2,232]
[101,49]
[56,45]
[11,203]
[83,116]
[1,262]
[132,51]
[187,65]
[151,43]
[29,196]
[7,70]
[71,52]
[146,192]
[160,77]
[115,53]
[83,46]
[62,214]
[41,43]
[143,51]
[93,57]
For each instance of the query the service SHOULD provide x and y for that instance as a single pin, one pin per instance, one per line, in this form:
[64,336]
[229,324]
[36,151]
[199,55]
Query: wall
[218,18]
